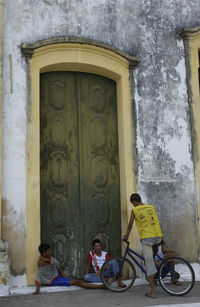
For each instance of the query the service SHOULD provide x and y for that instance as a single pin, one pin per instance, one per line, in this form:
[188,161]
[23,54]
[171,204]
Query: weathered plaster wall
[166,176]
[148,29]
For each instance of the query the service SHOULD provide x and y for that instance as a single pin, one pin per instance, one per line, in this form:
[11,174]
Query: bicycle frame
[166,273]
[130,253]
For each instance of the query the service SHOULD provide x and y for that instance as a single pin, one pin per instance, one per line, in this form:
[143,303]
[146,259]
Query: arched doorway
[75,55]
[79,166]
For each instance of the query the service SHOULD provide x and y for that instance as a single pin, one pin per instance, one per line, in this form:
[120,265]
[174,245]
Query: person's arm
[89,261]
[107,257]
[55,262]
[62,274]
[43,261]
[98,273]
[168,252]
[37,291]
[130,225]
[87,268]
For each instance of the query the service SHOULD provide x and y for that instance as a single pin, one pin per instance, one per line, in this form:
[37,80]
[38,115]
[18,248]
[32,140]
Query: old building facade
[99,99]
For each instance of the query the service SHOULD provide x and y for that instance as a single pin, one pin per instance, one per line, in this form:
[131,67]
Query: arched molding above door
[29,49]
[75,54]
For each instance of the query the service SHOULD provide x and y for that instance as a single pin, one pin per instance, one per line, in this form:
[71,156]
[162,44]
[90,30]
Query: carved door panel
[80,196]
[99,173]
[60,206]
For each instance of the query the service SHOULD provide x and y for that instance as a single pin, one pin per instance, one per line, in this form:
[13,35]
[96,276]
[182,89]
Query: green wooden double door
[80,196]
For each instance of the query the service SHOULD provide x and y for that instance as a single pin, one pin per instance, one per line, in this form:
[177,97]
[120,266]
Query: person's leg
[152,285]
[150,267]
[60,282]
[83,284]
[174,275]
[114,268]
[92,277]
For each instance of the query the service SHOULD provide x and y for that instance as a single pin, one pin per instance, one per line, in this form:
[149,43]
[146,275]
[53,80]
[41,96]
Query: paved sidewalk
[102,298]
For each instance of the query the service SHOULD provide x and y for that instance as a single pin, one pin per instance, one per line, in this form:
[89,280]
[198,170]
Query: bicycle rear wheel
[123,279]
[176,276]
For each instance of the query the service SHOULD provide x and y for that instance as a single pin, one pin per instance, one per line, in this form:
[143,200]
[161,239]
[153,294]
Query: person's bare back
[43,261]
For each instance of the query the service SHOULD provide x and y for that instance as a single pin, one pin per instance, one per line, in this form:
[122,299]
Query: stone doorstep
[30,290]
[5,290]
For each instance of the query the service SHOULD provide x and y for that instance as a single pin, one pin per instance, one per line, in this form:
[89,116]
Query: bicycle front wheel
[176,276]
[117,274]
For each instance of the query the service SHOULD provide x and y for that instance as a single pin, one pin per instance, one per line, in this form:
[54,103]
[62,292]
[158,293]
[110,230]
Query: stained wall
[161,117]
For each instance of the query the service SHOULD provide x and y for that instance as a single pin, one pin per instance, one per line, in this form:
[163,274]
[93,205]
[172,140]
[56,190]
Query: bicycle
[173,268]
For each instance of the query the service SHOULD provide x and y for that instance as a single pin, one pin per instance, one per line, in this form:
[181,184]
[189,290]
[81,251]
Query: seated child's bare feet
[121,285]
[176,282]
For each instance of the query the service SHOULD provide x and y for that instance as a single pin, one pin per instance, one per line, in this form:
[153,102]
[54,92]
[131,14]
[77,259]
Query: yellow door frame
[1,103]
[191,37]
[72,54]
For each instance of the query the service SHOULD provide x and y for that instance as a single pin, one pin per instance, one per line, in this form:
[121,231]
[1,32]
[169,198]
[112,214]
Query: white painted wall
[142,28]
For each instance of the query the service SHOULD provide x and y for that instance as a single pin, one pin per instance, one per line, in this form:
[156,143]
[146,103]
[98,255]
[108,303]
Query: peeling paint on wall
[13,232]
[148,29]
